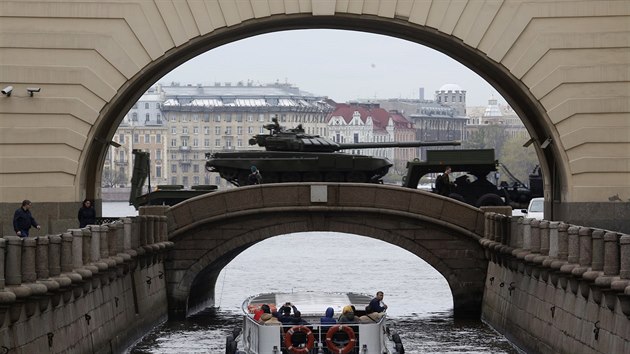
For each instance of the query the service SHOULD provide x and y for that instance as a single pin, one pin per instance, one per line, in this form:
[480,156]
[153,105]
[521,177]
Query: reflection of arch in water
[211,230]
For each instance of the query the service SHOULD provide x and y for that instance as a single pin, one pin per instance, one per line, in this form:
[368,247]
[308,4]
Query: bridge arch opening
[334,262]
[512,89]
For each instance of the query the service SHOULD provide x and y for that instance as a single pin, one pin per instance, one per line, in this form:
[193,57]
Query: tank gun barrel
[403,144]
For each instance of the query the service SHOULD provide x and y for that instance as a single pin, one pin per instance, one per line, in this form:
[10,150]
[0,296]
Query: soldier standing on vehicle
[443,184]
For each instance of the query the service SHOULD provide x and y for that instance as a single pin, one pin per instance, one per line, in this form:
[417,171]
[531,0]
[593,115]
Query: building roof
[450,87]
[380,117]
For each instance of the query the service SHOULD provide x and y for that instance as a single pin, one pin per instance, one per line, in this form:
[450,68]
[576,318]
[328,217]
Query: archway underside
[459,258]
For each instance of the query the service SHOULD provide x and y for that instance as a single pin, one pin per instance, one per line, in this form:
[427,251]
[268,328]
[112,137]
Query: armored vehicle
[164,194]
[291,155]
[473,187]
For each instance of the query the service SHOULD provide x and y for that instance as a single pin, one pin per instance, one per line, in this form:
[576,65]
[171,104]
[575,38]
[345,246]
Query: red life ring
[333,347]
[310,338]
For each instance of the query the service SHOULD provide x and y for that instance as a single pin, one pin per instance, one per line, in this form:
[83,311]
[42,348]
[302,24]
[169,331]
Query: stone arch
[211,230]
[558,63]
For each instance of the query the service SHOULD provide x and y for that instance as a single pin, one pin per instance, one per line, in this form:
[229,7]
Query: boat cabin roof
[308,303]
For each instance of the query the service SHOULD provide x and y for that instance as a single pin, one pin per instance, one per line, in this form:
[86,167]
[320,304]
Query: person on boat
[285,313]
[328,318]
[264,308]
[298,320]
[376,305]
[371,317]
[270,320]
[347,315]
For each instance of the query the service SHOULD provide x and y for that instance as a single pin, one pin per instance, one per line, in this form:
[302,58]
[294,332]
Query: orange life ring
[310,338]
[333,347]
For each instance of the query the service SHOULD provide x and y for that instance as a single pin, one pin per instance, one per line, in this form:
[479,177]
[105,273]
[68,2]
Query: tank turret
[296,139]
[291,155]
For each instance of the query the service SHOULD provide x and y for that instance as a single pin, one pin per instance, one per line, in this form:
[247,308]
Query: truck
[472,185]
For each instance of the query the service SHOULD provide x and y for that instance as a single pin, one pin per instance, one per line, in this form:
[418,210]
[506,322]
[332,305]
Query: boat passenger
[347,315]
[328,318]
[270,320]
[285,313]
[298,320]
[376,305]
[264,308]
[371,317]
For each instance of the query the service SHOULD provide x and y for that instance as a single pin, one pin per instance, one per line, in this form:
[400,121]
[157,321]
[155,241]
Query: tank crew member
[255,177]
[443,184]
[23,219]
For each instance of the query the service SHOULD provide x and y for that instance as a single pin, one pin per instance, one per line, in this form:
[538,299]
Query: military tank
[291,155]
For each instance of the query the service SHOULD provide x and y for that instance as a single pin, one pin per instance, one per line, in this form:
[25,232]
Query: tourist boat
[369,335]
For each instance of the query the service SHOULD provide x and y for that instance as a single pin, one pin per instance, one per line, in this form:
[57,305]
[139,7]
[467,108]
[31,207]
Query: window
[185,181]
[250,118]
[239,143]
[239,117]
[173,130]
[121,138]
[195,117]
[217,142]
[184,130]
[261,117]
[228,131]
[356,137]
[195,130]
[159,118]
[158,154]
[196,156]
[136,138]
[206,179]
[135,106]
[134,117]
[206,117]
[206,142]
[196,169]
[158,171]
[147,138]
[173,118]
[250,130]
[445,98]
[239,130]
[146,105]
[217,118]
[147,117]
[262,130]
[184,142]
[217,180]
[228,117]
[195,180]
[158,138]
[228,143]
[121,157]
[174,168]
[173,142]
[174,180]
[185,168]
[206,130]
[195,142]
[217,130]
[173,156]
[184,118]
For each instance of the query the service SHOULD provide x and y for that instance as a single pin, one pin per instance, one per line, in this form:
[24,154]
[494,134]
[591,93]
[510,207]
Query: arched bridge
[210,230]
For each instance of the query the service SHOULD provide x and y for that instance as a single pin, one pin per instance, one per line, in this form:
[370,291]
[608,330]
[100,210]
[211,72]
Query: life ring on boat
[333,347]
[310,338]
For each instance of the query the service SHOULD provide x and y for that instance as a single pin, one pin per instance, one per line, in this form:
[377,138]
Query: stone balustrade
[586,261]
[43,271]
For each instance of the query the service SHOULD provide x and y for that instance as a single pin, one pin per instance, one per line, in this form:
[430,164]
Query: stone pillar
[127,234]
[611,253]
[150,230]
[14,260]
[104,252]
[597,264]
[516,234]
[6,297]
[527,234]
[54,266]
[544,237]
[624,265]
[43,264]
[29,276]
[66,262]
[535,236]
[77,258]
[585,251]
[563,241]
[573,250]
[553,239]
[3,247]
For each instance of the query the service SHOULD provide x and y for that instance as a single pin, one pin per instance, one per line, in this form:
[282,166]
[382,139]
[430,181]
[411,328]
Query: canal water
[419,299]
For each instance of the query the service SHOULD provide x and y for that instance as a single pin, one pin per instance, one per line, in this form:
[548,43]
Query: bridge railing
[46,270]
[579,258]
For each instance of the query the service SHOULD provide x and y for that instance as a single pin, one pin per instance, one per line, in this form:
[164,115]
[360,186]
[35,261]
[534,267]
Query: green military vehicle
[473,186]
[291,155]
[164,194]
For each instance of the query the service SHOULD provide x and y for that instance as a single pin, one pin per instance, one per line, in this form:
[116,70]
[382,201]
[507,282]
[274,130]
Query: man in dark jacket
[376,305]
[23,220]
[443,184]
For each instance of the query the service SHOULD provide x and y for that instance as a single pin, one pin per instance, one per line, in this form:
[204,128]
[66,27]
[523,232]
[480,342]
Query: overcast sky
[342,65]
